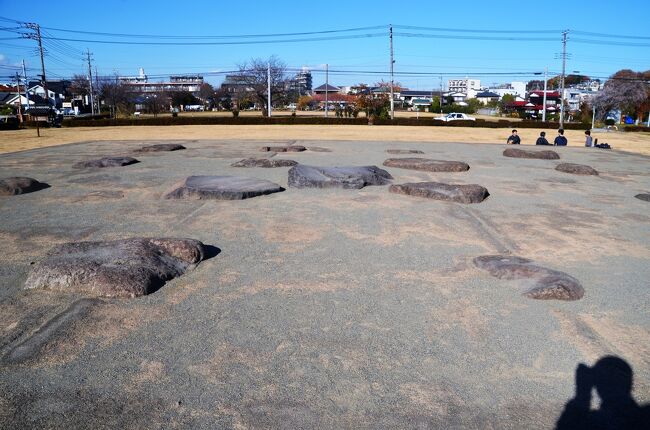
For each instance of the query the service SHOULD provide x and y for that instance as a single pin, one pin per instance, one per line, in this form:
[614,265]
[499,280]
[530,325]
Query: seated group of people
[560,139]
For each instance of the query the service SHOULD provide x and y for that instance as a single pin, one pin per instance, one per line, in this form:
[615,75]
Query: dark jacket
[514,139]
[542,141]
[560,141]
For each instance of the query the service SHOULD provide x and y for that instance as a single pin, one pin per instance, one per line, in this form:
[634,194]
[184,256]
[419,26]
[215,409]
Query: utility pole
[268,75]
[564,35]
[544,102]
[20,104]
[392,78]
[26,84]
[99,110]
[90,81]
[441,95]
[326,88]
[37,37]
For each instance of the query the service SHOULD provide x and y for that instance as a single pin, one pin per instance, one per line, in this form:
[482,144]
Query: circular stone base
[290,148]
[161,147]
[264,162]
[471,193]
[221,188]
[427,164]
[119,268]
[106,162]
[540,155]
[549,284]
[20,185]
[353,177]
[404,151]
[576,169]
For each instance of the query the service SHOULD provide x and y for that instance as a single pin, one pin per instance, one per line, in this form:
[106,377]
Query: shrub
[235,113]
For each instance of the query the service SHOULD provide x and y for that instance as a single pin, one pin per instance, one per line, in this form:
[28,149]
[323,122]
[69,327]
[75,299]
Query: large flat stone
[404,151]
[264,162]
[20,185]
[427,165]
[471,193]
[289,148]
[521,153]
[351,177]
[161,147]
[548,284]
[106,162]
[221,188]
[576,169]
[119,268]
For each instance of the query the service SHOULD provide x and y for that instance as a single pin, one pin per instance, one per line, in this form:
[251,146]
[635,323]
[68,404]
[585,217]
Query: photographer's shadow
[612,378]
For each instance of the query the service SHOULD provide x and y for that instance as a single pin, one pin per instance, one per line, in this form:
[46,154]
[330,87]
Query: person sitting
[560,140]
[514,139]
[541,140]
[589,143]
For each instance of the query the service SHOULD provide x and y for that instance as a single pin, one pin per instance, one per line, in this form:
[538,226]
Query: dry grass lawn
[19,140]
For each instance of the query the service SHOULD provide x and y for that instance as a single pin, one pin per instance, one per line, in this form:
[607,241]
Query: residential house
[486,97]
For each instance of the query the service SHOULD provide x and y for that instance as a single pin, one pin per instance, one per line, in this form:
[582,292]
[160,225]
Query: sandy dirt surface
[20,140]
[324,308]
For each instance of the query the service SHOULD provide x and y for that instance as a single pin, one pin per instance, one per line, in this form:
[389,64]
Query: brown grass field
[20,140]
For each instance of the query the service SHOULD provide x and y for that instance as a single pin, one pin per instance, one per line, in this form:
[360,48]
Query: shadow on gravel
[210,252]
[612,378]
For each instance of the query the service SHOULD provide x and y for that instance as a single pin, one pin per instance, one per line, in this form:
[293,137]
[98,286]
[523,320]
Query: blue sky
[450,57]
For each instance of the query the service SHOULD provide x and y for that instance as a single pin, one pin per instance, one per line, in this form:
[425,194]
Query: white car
[455,117]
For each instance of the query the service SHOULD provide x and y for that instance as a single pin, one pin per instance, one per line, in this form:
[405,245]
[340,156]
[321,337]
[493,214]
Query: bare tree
[116,94]
[625,90]
[157,102]
[254,74]
[79,85]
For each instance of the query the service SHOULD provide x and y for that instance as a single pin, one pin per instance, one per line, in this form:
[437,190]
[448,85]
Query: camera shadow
[612,379]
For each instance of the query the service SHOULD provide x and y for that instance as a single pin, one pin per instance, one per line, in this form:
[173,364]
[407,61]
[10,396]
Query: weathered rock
[471,193]
[106,162]
[427,164]
[549,284]
[20,185]
[521,153]
[221,188]
[576,169]
[404,151]
[643,196]
[119,268]
[161,147]
[289,148]
[264,162]
[352,177]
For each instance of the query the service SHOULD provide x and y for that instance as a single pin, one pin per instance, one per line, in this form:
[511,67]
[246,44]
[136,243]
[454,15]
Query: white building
[467,86]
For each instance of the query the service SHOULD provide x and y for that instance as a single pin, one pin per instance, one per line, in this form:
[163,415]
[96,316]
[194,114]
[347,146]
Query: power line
[486,38]
[463,30]
[255,42]
[241,36]
[616,36]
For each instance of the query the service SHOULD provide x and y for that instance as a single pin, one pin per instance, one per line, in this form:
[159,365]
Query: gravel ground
[325,308]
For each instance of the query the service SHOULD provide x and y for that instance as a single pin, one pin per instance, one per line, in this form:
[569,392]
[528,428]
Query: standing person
[589,142]
[541,140]
[514,138]
[560,140]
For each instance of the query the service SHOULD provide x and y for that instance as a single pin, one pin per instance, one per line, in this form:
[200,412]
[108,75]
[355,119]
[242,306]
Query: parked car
[455,117]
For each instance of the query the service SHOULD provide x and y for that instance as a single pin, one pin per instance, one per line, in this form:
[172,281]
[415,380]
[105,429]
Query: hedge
[481,123]
[637,128]
[250,120]
[188,120]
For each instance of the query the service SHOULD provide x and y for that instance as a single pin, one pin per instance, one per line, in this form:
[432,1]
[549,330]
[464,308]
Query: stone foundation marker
[221,188]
